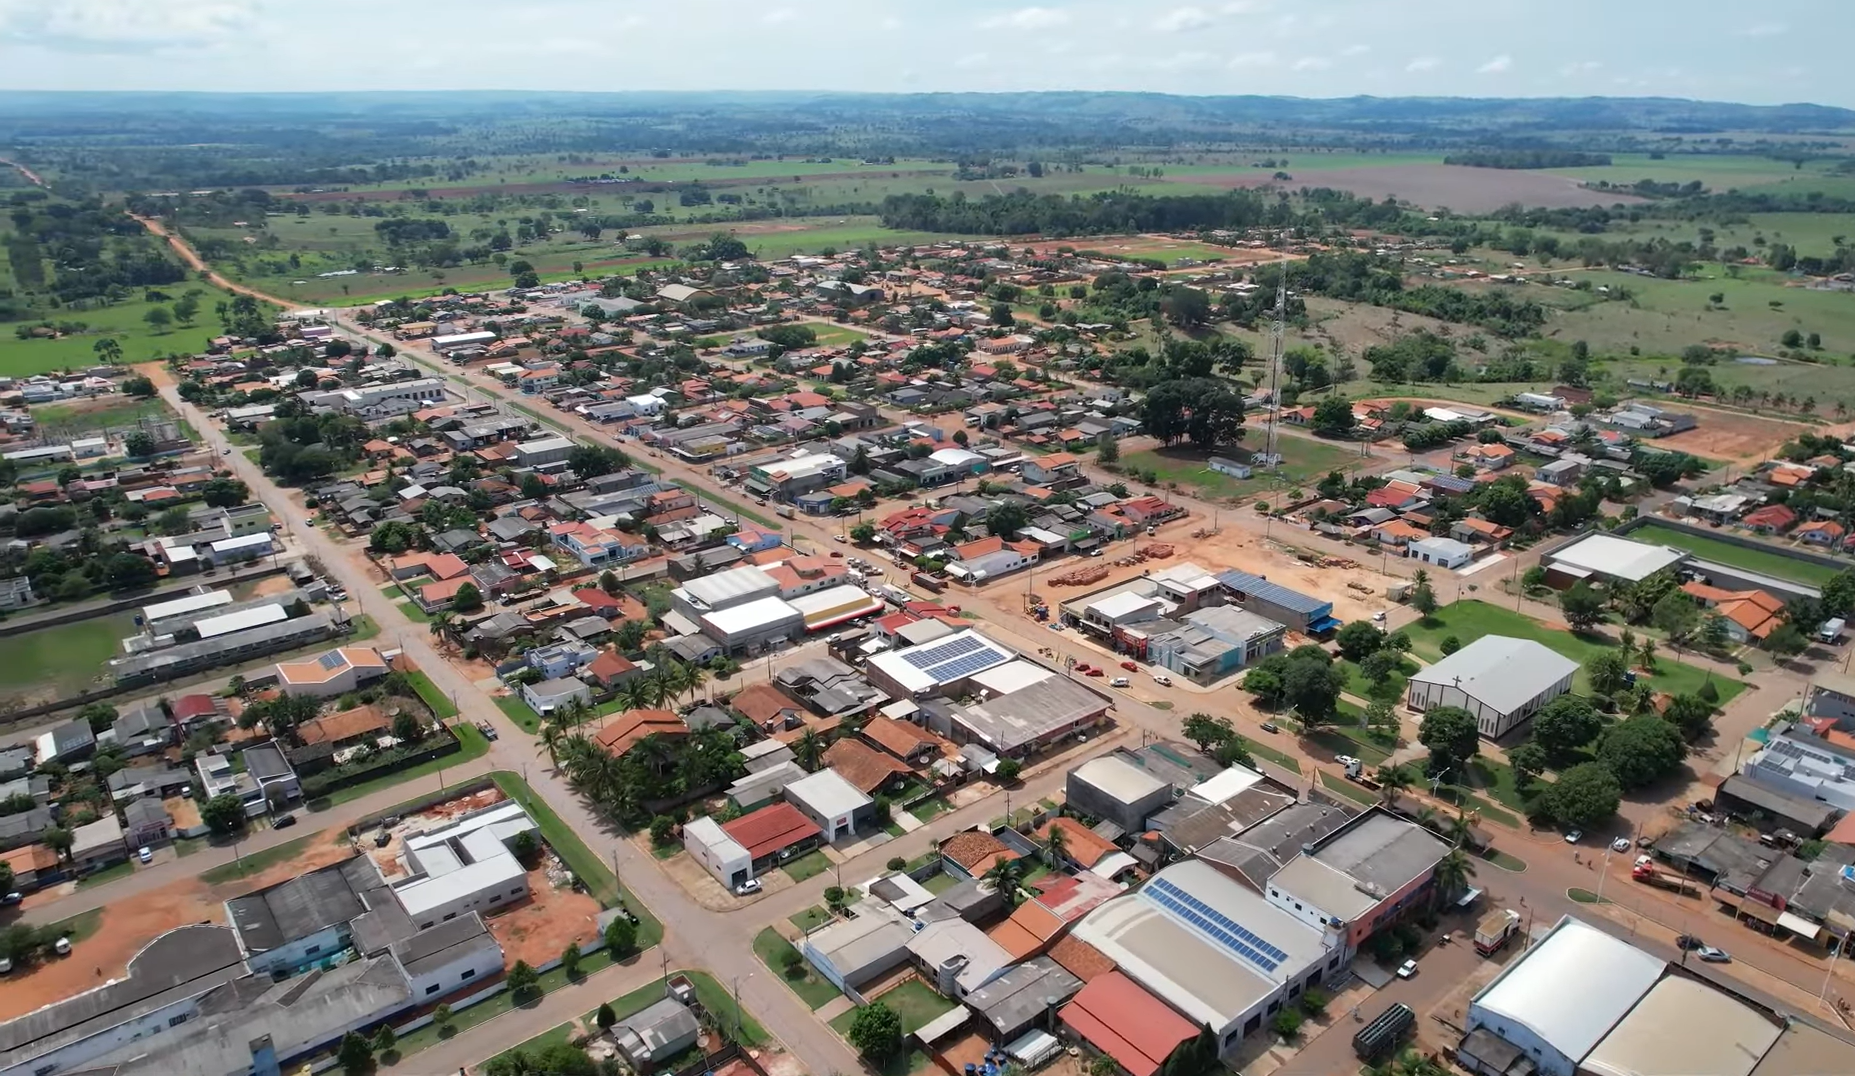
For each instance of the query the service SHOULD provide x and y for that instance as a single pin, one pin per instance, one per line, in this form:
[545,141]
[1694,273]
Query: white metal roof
[425,894]
[192,603]
[1012,676]
[834,600]
[706,832]
[243,541]
[1571,988]
[1619,558]
[1500,671]
[1223,786]
[826,793]
[1684,1026]
[1119,778]
[214,626]
[1116,606]
[751,616]
[735,583]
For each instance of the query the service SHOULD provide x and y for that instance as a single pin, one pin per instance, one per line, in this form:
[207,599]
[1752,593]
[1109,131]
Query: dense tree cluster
[1527,158]
[1206,411]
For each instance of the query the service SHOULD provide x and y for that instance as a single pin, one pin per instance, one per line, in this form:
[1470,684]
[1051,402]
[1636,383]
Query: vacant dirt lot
[538,928]
[125,927]
[1468,190]
[1733,438]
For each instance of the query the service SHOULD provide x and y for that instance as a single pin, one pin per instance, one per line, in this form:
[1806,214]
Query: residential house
[1826,532]
[1750,615]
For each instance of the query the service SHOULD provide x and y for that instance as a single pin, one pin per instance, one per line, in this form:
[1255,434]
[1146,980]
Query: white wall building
[719,854]
[1501,680]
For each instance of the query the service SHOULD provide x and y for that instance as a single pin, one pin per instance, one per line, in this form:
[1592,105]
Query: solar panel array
[924,659]
[966,664]
[332,660]
[1218,925]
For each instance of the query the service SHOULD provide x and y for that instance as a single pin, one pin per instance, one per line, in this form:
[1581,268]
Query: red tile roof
[761,703]
[766,831]
[862,765]
[633,725]
[1128,1024]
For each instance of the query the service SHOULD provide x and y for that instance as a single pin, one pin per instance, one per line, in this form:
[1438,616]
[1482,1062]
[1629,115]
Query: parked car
[1162,679]
[751,885]
[839,538]
[12,898]
[6,964]
[1130,666]
[283,821]
[1689,942]
[488,730]
[1269,726]
[1119,681]
[145,854]
[1713,956]
[62,947]
[1621,844]
[1574,836]
[1408,968]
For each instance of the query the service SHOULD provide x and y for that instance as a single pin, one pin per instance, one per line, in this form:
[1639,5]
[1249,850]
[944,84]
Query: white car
[145,854]
[1621,844]
[1712,955]
[751,885]
[839,538]
[1119,681]
[1408,968]
[62,947]
[1574,836]
[1162,679]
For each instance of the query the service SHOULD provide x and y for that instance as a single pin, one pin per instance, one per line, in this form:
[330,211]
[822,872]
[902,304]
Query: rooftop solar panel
[965,664]
[934,655]
[334,659]
[1220,927]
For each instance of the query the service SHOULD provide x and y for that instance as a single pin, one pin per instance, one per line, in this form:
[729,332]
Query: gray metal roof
[434,948]
[1023,993]
[1382,851]
[181,963]
[1501,672]
[303,905]
[1261,850]
[1274,593]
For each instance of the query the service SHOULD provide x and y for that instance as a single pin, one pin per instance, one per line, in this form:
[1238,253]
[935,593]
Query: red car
[1093,671]
[1130,666]
[1085,668]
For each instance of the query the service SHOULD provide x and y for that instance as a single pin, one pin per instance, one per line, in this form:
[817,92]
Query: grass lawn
[811,918]
[721,1004]
[940,883]
[1286,761]
[440,703]
[809,865]
[474,747]
[61,661]
[1358,684]
[1347,789]
[121,322]
[107,875]
[926,811]
[1505,861]
[812,990]
[1304,463]
[836,335]
[1772,563]
[109,411]
[80,926]
[1497,780]
[1585,896]
[1474,619]
[414,1041]
[917,1005]
[256,862]
[519,712]
[411,611]
[364,629]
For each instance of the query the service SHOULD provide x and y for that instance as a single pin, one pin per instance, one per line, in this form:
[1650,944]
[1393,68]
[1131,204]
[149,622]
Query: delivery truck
[1494,930]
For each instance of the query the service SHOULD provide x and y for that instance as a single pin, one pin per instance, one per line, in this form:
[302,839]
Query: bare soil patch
[1469,190]
[125,928]
[539,927]
[1732,437]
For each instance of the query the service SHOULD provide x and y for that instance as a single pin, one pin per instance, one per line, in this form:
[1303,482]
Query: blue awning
[1323,625]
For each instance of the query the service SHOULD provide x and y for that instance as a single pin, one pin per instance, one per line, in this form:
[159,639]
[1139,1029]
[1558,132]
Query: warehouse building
[941,666]
[834,804]
[1501,680]
[753,626]
[1116,790]
[1682,1026]
[1558,1001]
[1605,558]
[851,952]
[1360,879]
[1301,612]
[1211,949]
[721,855]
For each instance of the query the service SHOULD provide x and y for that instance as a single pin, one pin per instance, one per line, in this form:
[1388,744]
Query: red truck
[1661,879]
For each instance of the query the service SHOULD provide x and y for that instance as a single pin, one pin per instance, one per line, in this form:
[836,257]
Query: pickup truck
[1662,879]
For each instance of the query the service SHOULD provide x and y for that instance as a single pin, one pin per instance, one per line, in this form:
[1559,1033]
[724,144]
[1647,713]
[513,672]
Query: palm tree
[553,731]
[808,749]
[1392,780]
[1647,650]
[1459,829]
[693,677]
[1056,842]
[1452,874]
[1005,876]
[441,623]
[1626,639]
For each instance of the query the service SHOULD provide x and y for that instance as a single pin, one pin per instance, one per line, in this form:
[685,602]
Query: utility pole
[1277,337]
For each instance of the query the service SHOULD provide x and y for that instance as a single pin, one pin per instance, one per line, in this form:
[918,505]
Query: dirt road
[31,177]
[184,250]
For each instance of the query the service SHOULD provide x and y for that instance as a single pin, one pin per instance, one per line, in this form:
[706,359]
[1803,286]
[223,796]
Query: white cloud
[1499,65]
[1572,70]
[1183,18]
[1244,7]
[1423,63]
[971,59]
[1253,59]
[779,15]
[1355,50]
[1312,63]
[126,23]
[1027,18]
[1765,29]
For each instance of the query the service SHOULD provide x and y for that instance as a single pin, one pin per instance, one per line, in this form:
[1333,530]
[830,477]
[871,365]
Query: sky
[1766,53]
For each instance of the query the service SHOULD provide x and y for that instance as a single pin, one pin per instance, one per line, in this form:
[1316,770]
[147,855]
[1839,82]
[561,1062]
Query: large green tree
[1582,605]
[876,1032]
[1641,750]
[1450,734]
[1566,724]
[1585,795]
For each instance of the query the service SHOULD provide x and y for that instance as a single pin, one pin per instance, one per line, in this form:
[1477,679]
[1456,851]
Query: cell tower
[1277,335]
